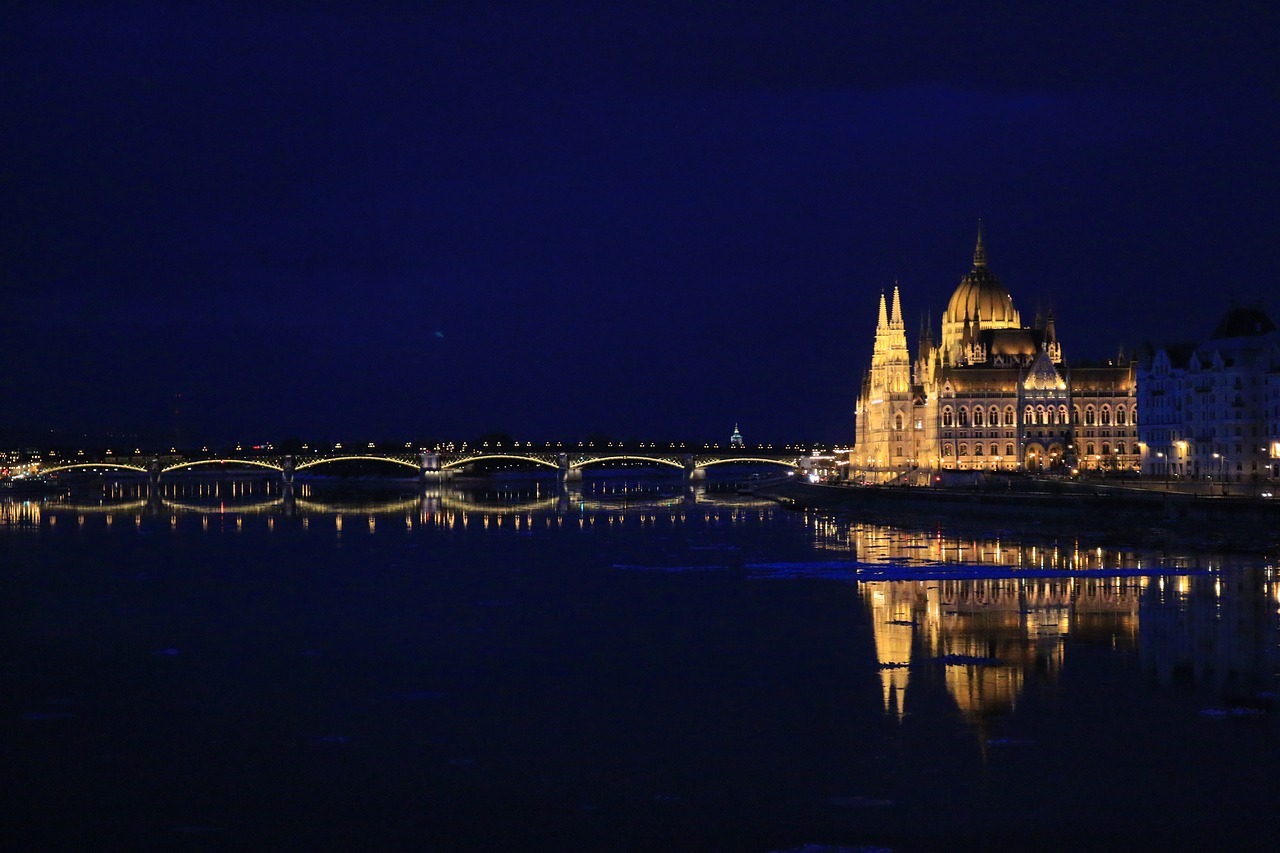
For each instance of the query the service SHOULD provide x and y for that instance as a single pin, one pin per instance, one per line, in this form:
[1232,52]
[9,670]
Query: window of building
[977,417]
[946,416]
[1106,416]
[1089,416]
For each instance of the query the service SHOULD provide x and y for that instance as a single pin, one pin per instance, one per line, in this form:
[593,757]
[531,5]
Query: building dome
[981,298]
[980,302]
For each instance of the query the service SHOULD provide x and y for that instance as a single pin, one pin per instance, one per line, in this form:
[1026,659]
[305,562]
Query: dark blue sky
[638,219]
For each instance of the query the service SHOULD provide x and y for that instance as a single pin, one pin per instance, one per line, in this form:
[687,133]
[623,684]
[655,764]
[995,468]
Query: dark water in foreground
[621,668]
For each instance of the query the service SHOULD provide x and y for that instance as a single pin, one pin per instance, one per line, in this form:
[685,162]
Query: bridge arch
[657,460]
[486,457]
[119,466]
[312,463]
[785,463]
[252,463]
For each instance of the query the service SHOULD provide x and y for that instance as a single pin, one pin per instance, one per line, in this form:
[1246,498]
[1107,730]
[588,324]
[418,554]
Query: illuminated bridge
[430,465]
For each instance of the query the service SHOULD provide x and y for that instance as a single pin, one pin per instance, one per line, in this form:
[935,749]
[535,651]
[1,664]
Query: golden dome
[981,298]
[979,304]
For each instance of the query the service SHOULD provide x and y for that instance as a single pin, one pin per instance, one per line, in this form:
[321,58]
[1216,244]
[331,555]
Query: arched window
[946,416]
[1062,415]
[897,421]
[1029,416]
[1089,417]
[1089,449]
[1120,449]
[1120,415]
[964,416]
[1008,450]
[1106,448]
[964,450]
[1133,419]
[947,449]
[977,417]
[1042,417]
[1106,416]
[1075,415]
[978,450]
[993,416]
[1008,416]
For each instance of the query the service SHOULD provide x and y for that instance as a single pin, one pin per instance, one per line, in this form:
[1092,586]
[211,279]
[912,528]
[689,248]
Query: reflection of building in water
[1218,632]
[886,545]
[990,635]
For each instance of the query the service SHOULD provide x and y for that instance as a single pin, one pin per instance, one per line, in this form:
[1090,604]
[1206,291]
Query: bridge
[428,465]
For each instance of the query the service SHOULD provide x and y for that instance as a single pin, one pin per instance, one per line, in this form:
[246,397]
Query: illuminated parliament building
[989,394]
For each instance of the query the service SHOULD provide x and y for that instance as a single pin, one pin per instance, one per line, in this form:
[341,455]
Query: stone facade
[992,394]
[1212,412]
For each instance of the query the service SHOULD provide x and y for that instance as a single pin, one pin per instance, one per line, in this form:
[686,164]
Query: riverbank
[1116,514]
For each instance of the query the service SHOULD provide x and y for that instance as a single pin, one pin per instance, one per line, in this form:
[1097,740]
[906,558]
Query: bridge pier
[692,471]
[153,471]
[565,472]
[429,467]
[287,465]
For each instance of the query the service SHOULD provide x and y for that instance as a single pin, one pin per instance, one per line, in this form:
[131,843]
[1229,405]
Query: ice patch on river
[638,568]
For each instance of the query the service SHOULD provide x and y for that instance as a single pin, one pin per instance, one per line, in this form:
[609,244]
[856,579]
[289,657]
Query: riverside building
[1212,412]
[990,394]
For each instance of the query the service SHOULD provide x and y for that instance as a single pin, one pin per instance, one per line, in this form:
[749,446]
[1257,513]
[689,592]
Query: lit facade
[991,394]
[1212,412]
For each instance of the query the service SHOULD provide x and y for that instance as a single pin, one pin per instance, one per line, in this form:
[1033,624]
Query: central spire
[979,253]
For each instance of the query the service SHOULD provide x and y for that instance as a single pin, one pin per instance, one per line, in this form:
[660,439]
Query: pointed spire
[883,322]
[979,253]
[896,318]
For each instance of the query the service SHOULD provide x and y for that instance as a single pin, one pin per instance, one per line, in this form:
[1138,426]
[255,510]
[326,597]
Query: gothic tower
[884,412]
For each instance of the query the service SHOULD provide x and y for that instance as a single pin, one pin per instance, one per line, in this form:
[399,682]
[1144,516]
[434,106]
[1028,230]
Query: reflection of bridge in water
[429,466]
[433,504]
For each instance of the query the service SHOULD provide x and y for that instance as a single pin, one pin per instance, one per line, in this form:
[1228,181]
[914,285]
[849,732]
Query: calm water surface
[625,666]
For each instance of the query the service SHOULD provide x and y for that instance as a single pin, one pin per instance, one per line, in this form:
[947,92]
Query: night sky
[415,221]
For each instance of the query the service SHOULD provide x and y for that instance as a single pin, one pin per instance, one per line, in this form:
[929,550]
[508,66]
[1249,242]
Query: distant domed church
[991,394]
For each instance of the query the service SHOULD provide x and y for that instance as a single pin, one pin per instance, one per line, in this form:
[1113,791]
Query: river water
[625,665]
